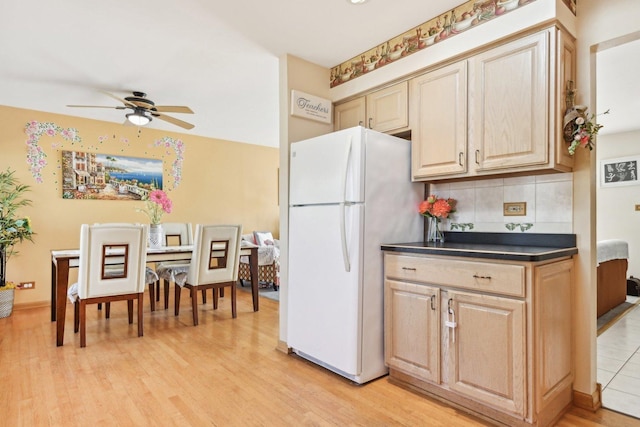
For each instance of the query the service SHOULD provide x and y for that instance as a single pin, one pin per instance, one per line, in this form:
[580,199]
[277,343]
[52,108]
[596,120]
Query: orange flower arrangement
[437,207]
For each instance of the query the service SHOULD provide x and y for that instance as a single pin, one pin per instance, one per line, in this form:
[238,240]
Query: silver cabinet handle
[370,126]
[477,157]
[475,276]
[360,123]
[409,268]
[460,158]
[433,302]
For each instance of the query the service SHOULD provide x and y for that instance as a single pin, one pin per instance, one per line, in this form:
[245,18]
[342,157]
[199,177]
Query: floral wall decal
[36,157]
[178,148]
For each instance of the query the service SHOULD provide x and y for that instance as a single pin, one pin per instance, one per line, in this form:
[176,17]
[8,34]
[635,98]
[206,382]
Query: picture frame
[619,171]
[98,176]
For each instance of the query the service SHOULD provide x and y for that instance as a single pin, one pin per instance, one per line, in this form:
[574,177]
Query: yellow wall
[222,182]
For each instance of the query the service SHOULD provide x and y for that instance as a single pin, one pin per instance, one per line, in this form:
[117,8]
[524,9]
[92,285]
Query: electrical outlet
[638,207]
[26,285]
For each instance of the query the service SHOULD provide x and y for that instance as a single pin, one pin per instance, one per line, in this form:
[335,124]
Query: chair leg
[233,300]
[107,310]
[176,300]
[83,324]
[152,297]
[215,299]
[158,290]
[140,307]
[166,294]
[204,296]
[76,316]
[130,310]
[221,292]
[194,304]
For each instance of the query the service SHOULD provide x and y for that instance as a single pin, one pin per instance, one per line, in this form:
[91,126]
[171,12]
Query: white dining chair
[175,234]
[214,265]
[111,268]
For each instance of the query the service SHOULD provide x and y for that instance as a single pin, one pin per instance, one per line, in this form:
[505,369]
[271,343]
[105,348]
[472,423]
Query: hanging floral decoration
[36,157]
[581,128]
[178,148]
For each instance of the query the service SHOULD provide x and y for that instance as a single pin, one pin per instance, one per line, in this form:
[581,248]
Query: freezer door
[324,311]
[327,169]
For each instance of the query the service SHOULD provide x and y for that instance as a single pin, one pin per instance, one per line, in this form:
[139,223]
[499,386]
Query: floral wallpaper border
[37,157]
[461,18]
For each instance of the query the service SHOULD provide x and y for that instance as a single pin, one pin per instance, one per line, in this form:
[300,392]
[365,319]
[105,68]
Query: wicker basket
[6,302]
[266,273]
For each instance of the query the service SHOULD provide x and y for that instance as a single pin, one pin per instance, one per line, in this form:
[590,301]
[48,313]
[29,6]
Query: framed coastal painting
[95,176]
[620,171]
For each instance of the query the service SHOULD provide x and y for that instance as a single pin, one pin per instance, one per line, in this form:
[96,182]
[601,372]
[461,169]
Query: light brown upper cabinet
[439,121]
[385,110]
[497,112]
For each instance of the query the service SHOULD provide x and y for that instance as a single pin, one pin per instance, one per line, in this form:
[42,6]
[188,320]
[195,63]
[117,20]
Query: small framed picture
[616,172]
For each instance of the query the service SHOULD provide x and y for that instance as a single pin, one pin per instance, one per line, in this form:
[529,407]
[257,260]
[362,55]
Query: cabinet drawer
[504,279]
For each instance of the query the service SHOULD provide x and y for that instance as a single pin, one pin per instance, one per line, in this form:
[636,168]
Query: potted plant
[13,229]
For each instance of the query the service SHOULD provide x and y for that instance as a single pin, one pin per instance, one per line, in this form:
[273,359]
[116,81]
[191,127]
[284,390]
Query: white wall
[616,214]
[599,22]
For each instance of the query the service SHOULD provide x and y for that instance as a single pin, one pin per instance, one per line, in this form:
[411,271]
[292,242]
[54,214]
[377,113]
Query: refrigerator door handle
[343,238]
[343,227]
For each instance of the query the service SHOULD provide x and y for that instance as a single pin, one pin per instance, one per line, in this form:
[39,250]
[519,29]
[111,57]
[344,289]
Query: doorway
[618,343]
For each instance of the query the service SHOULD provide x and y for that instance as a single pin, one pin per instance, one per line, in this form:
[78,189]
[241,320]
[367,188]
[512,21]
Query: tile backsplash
[548,198]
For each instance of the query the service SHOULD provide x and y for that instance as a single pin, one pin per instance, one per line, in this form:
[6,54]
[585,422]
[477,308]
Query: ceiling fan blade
[119,107]
[173,120]
[173,109]
[126,103]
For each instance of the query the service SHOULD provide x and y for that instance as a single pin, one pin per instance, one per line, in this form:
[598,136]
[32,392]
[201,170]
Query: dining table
[65,259]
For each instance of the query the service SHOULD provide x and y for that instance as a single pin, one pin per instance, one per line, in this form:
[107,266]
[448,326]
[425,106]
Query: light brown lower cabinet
[489,336]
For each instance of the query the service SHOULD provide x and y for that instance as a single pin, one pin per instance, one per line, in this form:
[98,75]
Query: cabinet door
[439,122]
[487,350]
[412,329]
[388,109]
[552,339]
[509,104]
[566,71]
[350,114]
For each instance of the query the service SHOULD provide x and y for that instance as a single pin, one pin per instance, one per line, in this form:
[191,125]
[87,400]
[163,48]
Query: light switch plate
[515,209]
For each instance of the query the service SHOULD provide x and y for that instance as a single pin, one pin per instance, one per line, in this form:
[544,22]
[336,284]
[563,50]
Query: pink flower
[435,207]
[167,205]
[157,196]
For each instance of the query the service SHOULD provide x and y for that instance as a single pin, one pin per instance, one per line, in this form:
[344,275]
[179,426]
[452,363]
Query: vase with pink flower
[435,209]
[157,203]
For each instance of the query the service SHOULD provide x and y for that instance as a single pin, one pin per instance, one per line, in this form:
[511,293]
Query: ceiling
[218,57]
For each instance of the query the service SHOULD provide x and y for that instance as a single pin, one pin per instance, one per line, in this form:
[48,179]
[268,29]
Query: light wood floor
[223,372]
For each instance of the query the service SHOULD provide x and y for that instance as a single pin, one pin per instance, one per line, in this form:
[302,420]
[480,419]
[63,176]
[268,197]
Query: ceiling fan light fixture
[138,118]
[356,1]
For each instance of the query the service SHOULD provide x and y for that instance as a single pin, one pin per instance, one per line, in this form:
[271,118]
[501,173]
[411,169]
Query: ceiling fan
[144,110]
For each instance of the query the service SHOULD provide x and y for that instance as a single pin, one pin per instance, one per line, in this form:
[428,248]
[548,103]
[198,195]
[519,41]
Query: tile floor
[619,363]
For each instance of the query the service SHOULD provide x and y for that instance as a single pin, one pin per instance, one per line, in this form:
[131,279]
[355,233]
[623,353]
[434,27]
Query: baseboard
[283,347]
[28,305]
[590,402]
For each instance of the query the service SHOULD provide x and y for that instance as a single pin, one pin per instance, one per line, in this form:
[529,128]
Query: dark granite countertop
[529,247]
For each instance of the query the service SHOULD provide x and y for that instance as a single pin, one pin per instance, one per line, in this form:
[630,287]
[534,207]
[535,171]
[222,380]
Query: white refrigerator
[350,191]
